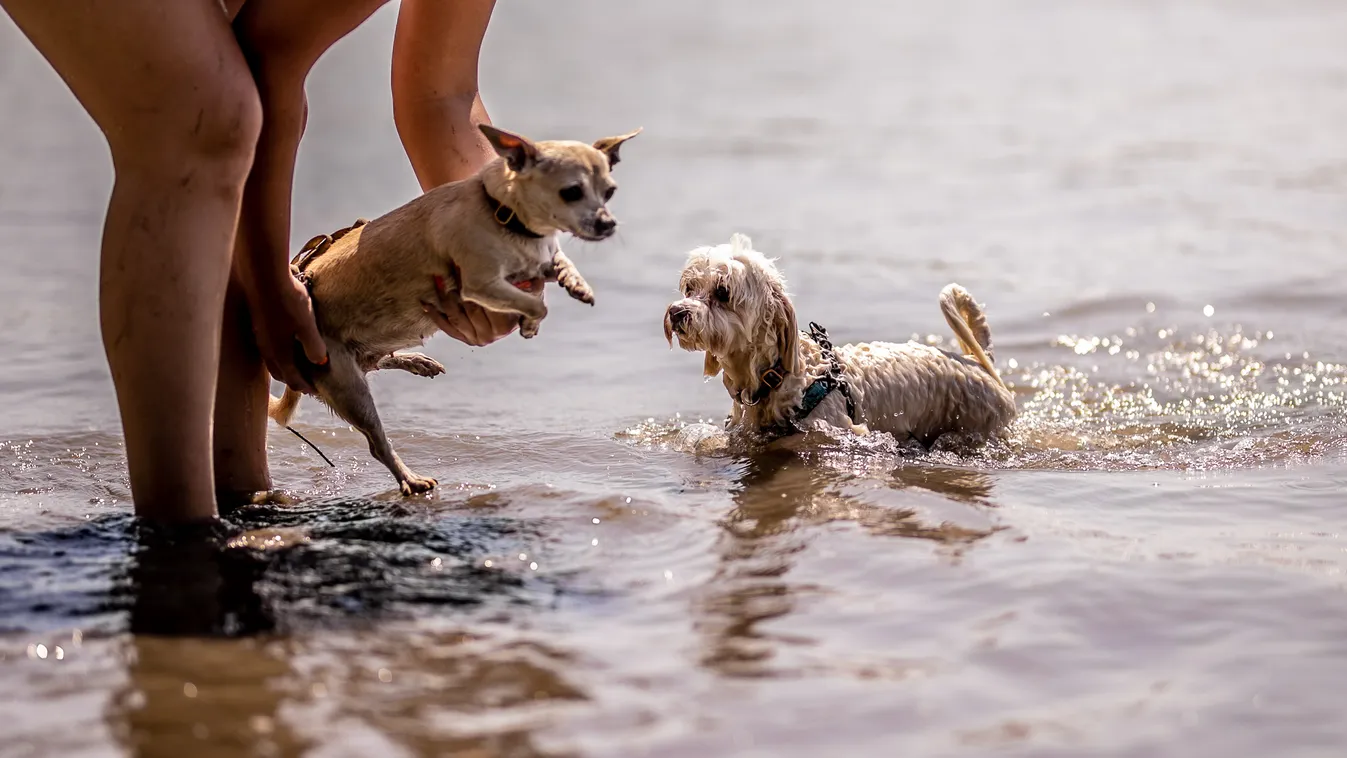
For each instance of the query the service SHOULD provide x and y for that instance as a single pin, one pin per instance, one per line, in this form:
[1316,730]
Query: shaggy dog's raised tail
[969,323]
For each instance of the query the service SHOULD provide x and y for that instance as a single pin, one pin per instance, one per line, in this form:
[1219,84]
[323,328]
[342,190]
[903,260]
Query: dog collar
[769,380]
[506,217]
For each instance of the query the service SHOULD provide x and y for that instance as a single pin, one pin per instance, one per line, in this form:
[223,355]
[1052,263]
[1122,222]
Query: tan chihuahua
[375,284]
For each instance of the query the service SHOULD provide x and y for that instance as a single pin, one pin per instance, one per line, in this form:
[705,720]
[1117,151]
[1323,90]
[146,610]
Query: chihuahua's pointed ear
[711,367]
[610,146]
[519,153]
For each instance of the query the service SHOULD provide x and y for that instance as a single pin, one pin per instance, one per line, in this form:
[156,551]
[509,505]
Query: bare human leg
[240,435]
[240,439]
[281,39]
[171,91]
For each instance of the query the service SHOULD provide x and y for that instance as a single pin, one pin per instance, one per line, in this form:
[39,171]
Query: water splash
[1160,400]
[1132,401]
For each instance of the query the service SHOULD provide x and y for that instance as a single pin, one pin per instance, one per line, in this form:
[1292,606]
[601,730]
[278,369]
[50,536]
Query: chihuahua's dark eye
[722,294]
[608,195]
[572,194]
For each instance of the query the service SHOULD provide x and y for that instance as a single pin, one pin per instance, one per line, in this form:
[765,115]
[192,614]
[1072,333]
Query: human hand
[283,324]
[470,323]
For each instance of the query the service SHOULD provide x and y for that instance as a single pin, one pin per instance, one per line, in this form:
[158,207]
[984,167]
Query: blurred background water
[1151,199]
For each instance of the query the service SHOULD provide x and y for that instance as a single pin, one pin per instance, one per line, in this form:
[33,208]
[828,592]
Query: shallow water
[1150,197]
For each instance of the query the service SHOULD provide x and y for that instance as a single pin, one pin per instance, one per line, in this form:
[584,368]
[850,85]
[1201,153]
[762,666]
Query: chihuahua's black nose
[678,315]
[604,225]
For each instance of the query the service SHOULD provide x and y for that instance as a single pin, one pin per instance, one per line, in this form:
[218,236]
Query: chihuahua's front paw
[415,485]
[562,271]
[528,327]
[575,285]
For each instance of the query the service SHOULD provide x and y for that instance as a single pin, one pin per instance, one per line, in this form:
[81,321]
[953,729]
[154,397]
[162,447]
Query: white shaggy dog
[735,309]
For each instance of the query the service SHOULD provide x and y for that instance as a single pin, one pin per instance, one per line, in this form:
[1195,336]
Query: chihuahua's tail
[282,409]
[966,318]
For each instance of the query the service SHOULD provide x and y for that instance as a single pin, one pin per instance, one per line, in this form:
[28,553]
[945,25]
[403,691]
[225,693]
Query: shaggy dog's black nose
[678,315]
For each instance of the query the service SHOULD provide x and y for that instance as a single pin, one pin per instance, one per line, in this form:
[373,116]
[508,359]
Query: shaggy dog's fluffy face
[735,309]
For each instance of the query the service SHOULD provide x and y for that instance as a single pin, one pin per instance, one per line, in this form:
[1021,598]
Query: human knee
[230,125]
[226,127]
[212,133]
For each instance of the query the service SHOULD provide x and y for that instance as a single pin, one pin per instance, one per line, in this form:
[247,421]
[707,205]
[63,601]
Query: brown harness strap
[320,244]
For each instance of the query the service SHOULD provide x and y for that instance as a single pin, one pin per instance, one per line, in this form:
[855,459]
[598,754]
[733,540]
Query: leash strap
[835,378]
[310,444]
[816,393]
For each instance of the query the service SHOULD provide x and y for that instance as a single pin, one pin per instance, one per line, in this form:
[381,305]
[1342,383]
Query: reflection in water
[780,494]
[443,692]
[188,582]
[189,689]
[749,587]
[204,696]
[230,633]
[964,485]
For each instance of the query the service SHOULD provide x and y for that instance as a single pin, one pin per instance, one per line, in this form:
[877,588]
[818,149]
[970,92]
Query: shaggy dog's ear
[781,312]
[712,366]
[787,333]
